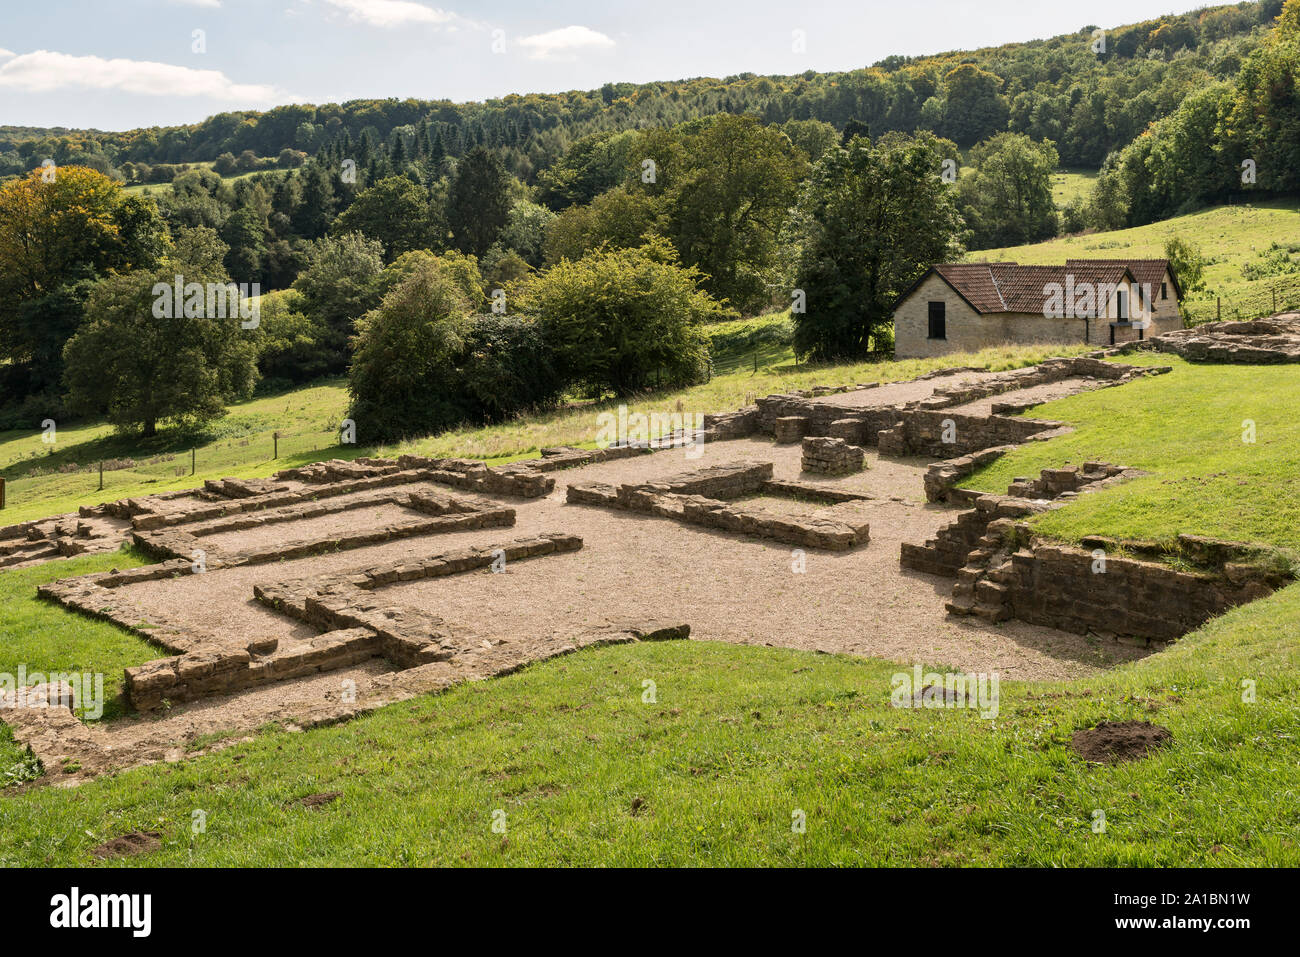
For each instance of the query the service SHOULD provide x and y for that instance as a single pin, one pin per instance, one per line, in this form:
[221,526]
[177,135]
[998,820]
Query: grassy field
[42,638]
[158,189]
[751,345]
[1072,184]
[241,444]
[1231,237]
[1186,428]
[716,772]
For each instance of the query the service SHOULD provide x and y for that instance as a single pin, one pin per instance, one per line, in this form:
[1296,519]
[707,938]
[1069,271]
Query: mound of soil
[316,800]
[1114,741]
[137,842]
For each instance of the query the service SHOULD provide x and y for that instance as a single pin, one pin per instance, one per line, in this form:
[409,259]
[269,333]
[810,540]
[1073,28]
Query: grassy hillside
[154,189]
[1072,184]
[1186,428]
[1230,237]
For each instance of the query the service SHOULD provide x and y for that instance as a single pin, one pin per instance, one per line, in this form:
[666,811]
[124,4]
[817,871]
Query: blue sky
[119,64]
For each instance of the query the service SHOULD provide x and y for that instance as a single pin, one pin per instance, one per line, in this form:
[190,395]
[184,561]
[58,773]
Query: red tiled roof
[1147,272]
[1011,287]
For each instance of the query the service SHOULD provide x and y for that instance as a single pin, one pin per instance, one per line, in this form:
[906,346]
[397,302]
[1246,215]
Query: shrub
[626,319]
[508,368]
[424,363]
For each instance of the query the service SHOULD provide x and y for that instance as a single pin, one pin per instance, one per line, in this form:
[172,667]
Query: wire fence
[105,479]
[1264,297]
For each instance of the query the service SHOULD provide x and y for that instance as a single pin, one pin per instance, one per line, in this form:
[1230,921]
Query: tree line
[1089,99]
[464,299]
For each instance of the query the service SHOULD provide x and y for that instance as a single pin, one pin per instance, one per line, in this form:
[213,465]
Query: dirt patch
[316,800]
[1113,742]
[137,842]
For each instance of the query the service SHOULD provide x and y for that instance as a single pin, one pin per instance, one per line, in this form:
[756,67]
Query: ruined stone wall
[1060,586]
[944,434]
[704,497]
[827,456]
[1101,588]
[1262,341]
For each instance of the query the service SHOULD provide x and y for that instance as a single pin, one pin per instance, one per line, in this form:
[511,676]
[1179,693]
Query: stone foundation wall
[1263,341]
[837,528]
[704,498]
[740,424]
[790,428]
[829,456]
[941,478]
[357,625]
[717,481]
[919,432]
[445,514]
[1060,586]
[950,550]
[1064,482]
[1002,572]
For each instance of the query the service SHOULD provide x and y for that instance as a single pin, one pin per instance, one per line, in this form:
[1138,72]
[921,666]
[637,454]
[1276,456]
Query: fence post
[193,460]
[1218,309]
[2,493]
[1275,300]
[101,475]
[275,437]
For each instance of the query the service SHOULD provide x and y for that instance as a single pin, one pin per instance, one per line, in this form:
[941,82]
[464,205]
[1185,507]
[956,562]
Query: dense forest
[467,262]
[1088,99]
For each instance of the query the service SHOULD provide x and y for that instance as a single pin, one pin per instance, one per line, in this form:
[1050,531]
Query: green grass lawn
[750,345]
[739,740]
[308,419]
[1231,237]
[1186,428]
[41,637]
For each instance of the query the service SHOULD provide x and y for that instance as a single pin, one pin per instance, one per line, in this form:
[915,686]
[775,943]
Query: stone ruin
[345,621]
[830,456]
[1260,341]
[706,497]
[934,425]
[1004,571]
[30,543]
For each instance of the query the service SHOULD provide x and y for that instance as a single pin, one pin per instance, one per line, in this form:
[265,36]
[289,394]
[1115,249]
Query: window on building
[938,320]
[1121,306]
[1164,290]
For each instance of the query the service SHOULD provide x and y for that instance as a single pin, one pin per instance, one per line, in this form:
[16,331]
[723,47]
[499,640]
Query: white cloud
[565,43]
[6,54]
[44,71]
[391,13]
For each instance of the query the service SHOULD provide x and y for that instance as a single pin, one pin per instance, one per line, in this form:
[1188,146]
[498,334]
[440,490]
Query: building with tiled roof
[964,307]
